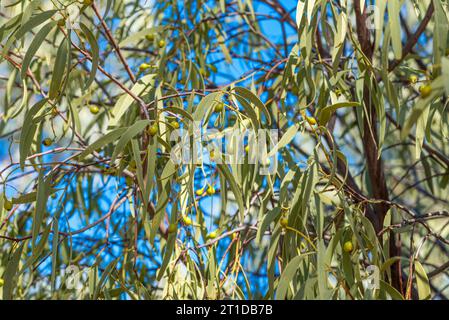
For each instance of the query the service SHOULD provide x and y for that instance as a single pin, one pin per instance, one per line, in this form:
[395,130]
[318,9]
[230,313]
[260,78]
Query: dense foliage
[351,205]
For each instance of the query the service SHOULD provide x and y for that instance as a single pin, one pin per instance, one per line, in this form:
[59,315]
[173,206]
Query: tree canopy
[336,188]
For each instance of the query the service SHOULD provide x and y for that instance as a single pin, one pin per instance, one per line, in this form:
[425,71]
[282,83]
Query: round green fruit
[186,220]
[171,228]
[144,66]
[152,131]
[7,205]
[284,222]
[210,190]
[413,79]
[311,120]
[348,246]
[47,142]
[94,109]
[219,107]
[425,91]
[212,235]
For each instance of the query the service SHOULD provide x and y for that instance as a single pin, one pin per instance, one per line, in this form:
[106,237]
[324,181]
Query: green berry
[186,220]
[152,131]
[171,228]
[425,91]
[311,120]
[47,142]
[284,222]
[7,205]
[348,247]
[94,109]
[205,72]
[212,234]
[413,79]
[219,107]
[144,66]
[210,190]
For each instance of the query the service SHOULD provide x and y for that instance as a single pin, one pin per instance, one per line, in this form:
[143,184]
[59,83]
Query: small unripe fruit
[212,154]
[266,162]
[219,107]
[204,72]
[186,220]
[144,66]
[161,43]
[2,282]
[413,79]
[247,149]
[7,205]
[284,222]
[212,235]
[47,142]
[171,228]
[152,131]
[150,37]
[348,247]
[210,190]
[311,120]
[235,236]
[338,92]
[94,109]
[199,192]
[425,91]
[213,68]
[175,124]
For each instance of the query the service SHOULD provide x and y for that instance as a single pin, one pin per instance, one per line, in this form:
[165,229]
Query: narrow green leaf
[422,282]
[28,131]
[130,133]
[34,46]
[95,53]
[58,70]
[101,142]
